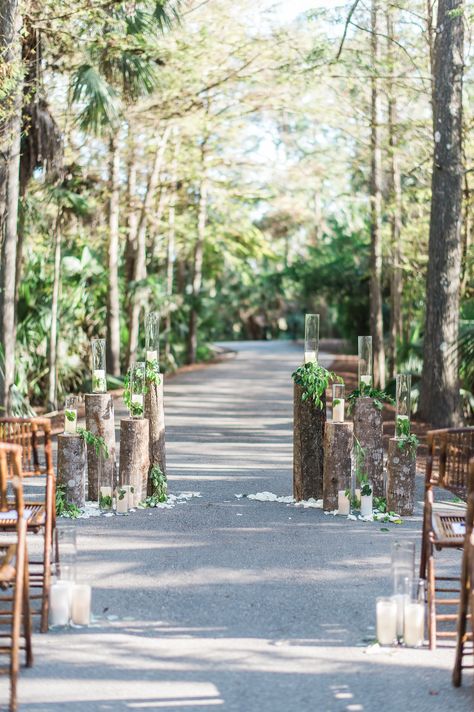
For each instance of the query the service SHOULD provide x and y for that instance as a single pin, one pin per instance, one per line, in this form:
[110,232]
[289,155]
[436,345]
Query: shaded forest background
[226,164]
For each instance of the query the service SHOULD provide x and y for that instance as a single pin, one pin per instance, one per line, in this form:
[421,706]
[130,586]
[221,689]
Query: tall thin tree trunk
[113,294]
[396,284]
[133,212]
[439,398]
[10,133]
[53,334]
[140,271]
[197,266]
[170,251]
[376,320]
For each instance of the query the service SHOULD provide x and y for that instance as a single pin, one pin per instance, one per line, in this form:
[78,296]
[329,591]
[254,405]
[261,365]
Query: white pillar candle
[357,493]
[414,624]
[367,379]
[386,621]
[106,491]
[130,492]
[60,602]
[99,383]
[81,604]
[137,398]
[343,503]
[338,411]
[70,421]
[310,357]
[121,501]
[151,356]
[366,505]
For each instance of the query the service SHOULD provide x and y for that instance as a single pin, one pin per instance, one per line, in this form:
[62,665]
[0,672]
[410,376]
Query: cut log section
[401,471]
[134,457]
[368,430]
[100,421]
[308,448]
[155,413]
[72,468]
[338,441]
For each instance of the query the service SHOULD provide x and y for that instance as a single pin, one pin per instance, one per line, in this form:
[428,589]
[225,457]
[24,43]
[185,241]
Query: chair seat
[34,514]
[449,528]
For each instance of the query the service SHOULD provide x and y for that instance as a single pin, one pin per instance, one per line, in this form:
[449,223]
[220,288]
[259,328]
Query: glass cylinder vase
[70,415]
[403,408]
[365,362]
[136,378]
[338,402]
[311,338]
[99,378]
[106,484]
[152,337]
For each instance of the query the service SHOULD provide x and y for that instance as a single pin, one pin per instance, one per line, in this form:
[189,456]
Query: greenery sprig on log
[364,391]
[314,379]
[95,441]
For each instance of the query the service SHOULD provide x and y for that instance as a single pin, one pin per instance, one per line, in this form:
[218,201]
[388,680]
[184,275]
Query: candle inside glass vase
[338,401]
[343,502]
[365,362]
[70,415]
[136,380]
[403,407]
[99,378]
[81,604]
[311,338]
[152,337]
[386,614]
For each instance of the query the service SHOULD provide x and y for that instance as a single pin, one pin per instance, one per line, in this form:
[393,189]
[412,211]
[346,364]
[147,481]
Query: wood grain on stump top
[308,449]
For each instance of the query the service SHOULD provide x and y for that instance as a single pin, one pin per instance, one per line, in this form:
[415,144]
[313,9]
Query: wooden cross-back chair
[465,638]
[447,467]
[14,618]
[34,437]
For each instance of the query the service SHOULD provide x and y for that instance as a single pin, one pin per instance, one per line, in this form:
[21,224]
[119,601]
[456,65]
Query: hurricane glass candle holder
[403,408]
[137,389]
[106,485]
[338,402]
[365,361]
[152,337]
[99,378]
[311,338]
[70,415]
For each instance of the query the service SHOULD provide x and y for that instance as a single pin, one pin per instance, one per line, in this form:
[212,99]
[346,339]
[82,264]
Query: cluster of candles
[124,498]
[69,601]
[401,617]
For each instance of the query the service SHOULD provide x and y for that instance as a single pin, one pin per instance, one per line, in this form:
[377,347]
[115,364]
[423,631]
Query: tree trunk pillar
[401,471]
[308,450]
[155,413]
[338,441]
[100,421]
[72,468]
[134,457]
[368,430]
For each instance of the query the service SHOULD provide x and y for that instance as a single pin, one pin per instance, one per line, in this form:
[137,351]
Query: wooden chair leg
[27,625]
[431,599]
[16,624]
[46,576]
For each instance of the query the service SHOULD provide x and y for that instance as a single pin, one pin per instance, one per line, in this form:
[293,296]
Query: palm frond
[98,99]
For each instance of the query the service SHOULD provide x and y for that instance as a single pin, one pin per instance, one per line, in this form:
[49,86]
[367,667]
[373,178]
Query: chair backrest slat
[449,454]
[10,471]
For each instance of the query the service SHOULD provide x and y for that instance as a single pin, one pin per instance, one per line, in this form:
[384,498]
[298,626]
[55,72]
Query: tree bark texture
[401,471]
[338,442]
[170,250]
[72,468]
[368,430]
[439,398]
[100,421]
[53,336]
[113,294]
[308,447]
[10,135]
[155,414]
[134,456]
[198,258]
[376,321]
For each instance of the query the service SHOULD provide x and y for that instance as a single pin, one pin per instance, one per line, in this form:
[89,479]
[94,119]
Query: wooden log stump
[100,421]
[401,471]
[338,441]
[308,446]
[72,468]
[368,430]
[134,456]
[155,413]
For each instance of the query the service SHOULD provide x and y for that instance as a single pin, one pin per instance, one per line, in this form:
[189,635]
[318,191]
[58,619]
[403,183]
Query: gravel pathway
[232,603]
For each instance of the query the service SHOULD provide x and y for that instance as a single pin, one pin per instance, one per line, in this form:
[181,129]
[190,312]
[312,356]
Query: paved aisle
[228,604]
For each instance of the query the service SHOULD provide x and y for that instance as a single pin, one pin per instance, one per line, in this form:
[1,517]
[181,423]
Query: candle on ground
[414,624]
[81,604]
[129,492]
[338,411]
[386,621]
[60,602]
[122,501]
[343,503]
[310,357]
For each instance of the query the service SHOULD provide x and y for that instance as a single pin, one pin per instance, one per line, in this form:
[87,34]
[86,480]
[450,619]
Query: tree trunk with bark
[308,448]
[401,471]
[53,335]
[113,293]
[170,251]
[100,421]
[197,268]
[134,456]
[72,468]
[10,134]
[338,441]
[376,320]
[439,398]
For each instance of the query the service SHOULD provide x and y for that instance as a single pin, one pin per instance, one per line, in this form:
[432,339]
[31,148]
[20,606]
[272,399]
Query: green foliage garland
[364,391]
[63,507]
[314,379]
